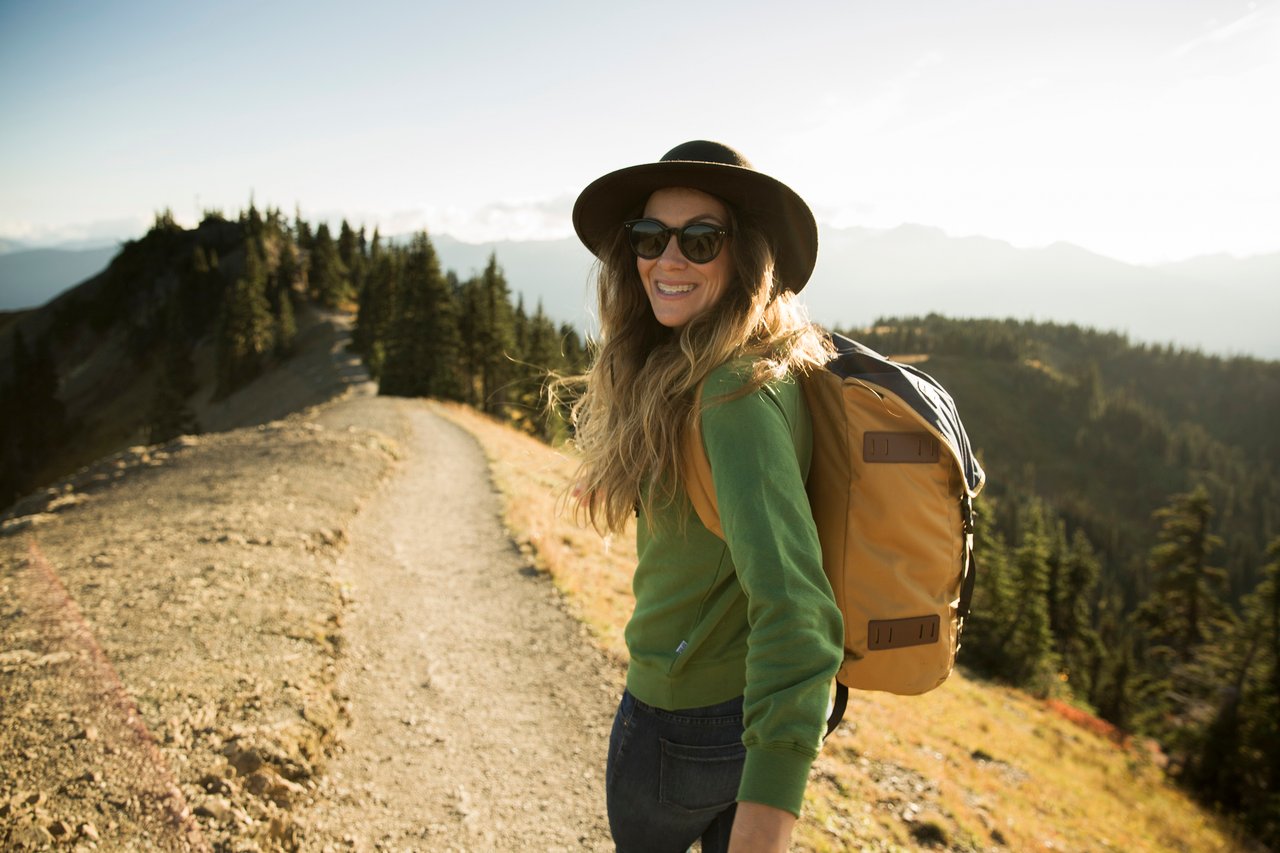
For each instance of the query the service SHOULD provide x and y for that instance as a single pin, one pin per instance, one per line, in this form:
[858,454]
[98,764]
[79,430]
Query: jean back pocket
[700,778]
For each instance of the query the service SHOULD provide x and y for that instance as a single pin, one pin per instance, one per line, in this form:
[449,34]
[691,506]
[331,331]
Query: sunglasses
[699,242]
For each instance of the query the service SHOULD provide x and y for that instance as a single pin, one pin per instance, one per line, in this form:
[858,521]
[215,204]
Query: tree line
[1129,551]
[421,330]
[233,287]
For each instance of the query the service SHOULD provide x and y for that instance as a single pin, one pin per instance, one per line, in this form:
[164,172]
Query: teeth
[674,288]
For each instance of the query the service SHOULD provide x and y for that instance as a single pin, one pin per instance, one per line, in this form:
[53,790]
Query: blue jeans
[672,776]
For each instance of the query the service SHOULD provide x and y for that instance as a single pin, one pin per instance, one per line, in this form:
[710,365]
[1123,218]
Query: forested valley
[1129,538]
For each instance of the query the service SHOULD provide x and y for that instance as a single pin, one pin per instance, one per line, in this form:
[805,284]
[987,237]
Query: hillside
[211,706]
[1130,557]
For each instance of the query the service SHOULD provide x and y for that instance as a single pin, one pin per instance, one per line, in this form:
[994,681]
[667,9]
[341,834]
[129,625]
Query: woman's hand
[758,828]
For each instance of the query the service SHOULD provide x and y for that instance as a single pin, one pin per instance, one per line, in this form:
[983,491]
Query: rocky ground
[312,634]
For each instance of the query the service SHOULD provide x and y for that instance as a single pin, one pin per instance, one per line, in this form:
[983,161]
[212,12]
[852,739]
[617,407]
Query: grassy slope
[973,765]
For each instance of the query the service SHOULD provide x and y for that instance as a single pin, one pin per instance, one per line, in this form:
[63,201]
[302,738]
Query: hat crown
[704,151]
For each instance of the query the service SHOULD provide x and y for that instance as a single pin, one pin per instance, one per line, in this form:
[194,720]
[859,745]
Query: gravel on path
[309,635]
[479,708]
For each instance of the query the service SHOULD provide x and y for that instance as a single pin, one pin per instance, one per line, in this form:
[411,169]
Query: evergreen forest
[1128,539]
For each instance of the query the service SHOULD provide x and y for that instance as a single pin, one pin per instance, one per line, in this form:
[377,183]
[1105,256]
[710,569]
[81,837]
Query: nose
[671,255]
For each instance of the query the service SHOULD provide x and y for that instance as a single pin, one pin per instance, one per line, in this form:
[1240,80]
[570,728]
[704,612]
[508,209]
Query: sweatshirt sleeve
[759,448]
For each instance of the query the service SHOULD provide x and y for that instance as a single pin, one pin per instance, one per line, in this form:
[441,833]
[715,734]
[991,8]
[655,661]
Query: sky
[1145,130]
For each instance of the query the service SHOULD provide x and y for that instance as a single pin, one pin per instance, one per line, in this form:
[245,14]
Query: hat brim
[602,207]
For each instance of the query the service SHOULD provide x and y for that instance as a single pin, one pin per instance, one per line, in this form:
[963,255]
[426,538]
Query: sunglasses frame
[667,230]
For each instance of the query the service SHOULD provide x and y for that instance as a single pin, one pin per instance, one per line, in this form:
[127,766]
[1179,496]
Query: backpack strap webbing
[696,474]
[837,709]
[970,561]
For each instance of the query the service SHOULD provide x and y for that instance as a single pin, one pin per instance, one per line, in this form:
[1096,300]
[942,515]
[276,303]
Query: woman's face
[679,289]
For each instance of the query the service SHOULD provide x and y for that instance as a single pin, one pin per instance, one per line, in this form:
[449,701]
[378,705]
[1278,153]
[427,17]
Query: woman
[734,642]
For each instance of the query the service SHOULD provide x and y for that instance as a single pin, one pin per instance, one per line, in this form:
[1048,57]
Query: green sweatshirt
[752,614]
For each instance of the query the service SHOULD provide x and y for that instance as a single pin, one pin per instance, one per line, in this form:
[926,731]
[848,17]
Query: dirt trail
[479,710]
[313,634]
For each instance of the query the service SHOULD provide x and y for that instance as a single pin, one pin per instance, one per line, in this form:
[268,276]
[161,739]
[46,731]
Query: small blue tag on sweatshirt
[684,644]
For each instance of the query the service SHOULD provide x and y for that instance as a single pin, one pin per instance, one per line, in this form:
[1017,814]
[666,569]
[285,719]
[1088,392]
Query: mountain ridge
[1216,303]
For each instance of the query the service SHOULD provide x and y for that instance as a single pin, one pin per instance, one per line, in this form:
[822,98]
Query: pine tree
[351,252]
[495,342]
[422,348]
[520,323]
[1237,763]
[302,231]
[1075,583]
[170,414]
[573,349]
[1119,688]
[35,419]
[540,361]
[377,304]
[471,321]
[1028,640]
[1187,626]
[992,610]
[280,294]
[246,329]
[1187,592]
[327,276]
[286,324]
[201,290]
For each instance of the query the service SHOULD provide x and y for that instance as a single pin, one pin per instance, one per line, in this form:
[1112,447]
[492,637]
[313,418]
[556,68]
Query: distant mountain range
[31,277]
[1218,303]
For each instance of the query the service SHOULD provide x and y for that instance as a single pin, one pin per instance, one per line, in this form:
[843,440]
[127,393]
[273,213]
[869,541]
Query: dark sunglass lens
[700,243]
[648,238]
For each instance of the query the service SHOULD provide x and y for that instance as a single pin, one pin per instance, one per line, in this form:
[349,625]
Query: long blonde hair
[639,398]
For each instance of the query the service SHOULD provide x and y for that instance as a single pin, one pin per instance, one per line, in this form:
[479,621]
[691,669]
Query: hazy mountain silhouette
[1217,303]
[31,277]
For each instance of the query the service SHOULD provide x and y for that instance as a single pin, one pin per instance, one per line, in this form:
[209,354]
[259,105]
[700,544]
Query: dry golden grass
[970,766]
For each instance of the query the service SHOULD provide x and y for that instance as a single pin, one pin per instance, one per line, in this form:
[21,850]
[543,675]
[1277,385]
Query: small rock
[214,784]
[281,828]
[17,656]
[60,830]
[29,836]
[89,831]
[218,808]
[246,761]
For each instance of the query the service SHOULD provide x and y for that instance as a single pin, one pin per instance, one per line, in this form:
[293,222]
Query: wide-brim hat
[717,169]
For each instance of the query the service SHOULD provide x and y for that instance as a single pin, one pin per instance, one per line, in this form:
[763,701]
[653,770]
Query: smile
[672,289]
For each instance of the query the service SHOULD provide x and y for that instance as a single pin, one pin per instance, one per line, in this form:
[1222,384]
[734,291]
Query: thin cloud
[1221,34]
[521,219]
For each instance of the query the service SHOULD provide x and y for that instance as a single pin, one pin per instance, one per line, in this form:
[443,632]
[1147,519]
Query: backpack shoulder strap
[696,469]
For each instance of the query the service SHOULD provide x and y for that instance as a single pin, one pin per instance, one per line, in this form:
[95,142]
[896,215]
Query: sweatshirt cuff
[775,777]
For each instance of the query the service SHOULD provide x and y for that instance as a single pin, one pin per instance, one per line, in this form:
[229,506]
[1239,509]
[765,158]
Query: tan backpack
[891,486]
